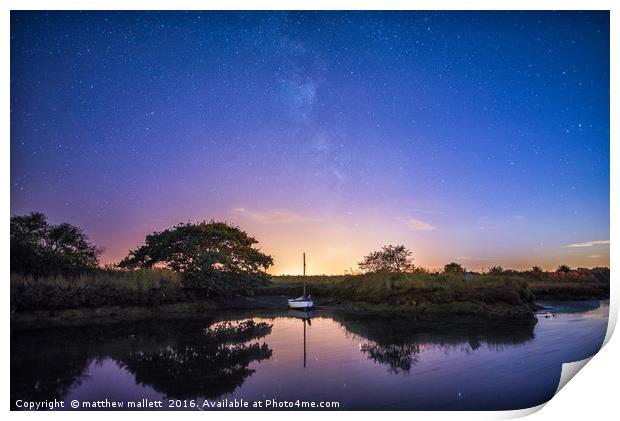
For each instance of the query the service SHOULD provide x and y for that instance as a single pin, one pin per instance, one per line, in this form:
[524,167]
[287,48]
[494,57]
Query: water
[359,361]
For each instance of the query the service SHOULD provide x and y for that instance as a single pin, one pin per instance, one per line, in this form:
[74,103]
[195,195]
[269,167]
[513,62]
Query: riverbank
[110,315]
[124,296]
[575,285]
[414,292]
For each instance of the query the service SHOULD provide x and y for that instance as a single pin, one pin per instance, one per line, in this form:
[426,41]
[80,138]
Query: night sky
[478,137]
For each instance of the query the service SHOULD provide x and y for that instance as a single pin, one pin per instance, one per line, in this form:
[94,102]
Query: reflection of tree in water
[45,377]
[398,340]
[177,358]
[399,358]
[206,366]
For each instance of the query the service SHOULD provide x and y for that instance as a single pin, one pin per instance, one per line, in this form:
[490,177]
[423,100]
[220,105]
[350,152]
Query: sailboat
[305,301]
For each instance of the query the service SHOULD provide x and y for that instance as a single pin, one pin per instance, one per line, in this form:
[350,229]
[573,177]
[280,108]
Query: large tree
[389,258]
[39,248]
[211,255]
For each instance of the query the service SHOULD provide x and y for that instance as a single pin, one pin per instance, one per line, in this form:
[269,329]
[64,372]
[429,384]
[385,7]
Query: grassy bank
[423,293]
[580,284]
[97,288]
[415,292]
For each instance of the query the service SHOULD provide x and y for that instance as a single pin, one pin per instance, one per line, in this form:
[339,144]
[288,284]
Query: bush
[453,267]
[563,269]
[495,270]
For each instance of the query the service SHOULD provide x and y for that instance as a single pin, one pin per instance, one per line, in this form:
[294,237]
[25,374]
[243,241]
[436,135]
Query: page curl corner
[568,372]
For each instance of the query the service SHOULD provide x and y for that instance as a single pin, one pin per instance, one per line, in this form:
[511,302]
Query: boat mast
[304,275]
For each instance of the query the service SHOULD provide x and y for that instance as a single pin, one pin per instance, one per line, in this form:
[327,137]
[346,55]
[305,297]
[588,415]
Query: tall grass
[511,287]
[420,291]
[381,280]
[136,280]
[95,289]
[416,289]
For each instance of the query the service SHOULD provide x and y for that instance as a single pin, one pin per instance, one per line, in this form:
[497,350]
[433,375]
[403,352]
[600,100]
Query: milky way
[480,137]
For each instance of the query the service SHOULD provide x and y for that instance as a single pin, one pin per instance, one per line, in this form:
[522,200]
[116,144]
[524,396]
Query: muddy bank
[116,314]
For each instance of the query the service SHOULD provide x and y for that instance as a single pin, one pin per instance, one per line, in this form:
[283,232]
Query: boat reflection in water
[305,316]
[363,361]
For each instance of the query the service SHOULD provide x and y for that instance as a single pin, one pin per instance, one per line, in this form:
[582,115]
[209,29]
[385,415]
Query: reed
[419,291]
[96,288]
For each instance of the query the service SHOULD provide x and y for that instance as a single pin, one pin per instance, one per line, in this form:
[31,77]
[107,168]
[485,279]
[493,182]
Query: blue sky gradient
[480,137]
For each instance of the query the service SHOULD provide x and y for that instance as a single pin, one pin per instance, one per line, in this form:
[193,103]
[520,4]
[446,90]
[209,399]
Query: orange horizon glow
[335,246]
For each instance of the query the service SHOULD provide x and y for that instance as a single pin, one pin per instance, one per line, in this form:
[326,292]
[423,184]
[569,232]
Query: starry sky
[477,137]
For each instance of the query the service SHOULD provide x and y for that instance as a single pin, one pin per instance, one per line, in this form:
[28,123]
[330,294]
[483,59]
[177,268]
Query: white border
[592,396]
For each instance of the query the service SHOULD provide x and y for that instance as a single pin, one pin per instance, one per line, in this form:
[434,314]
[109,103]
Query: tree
[41,249]
[496,270]
[563,269]
[389,258]
[453,267]
[537,270]
[212,256]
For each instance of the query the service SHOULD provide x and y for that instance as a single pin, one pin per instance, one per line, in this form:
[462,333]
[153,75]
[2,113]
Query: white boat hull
[303,304]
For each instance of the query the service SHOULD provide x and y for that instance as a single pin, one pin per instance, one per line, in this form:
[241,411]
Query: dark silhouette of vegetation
[495,270]
[41,249]
[211,256]
[39,370]
[563,269]
[579,284]
[192,358]
[389,259]
[536,269]
[204,366]
[396,340]
[399,358]
[601,274]
[453,267]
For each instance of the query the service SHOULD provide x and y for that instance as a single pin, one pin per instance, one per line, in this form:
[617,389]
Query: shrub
[563,269]
[495,270]
[453,267]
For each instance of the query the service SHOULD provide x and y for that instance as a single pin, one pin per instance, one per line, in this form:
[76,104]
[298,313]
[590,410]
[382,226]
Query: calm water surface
[360,361]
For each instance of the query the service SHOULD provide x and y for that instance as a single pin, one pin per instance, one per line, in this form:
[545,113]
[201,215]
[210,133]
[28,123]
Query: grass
[137,280]
[568,290]
[96,289]
[416,292]
[576,284]
[503,293]
[450,293]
